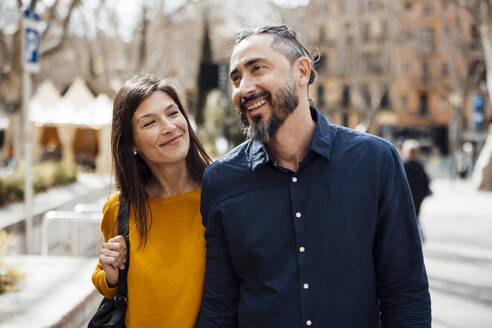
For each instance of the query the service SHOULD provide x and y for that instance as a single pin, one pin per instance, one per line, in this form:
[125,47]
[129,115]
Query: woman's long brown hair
[131,172]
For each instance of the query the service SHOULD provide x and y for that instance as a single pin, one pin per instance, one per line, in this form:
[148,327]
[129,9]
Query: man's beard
[284,103]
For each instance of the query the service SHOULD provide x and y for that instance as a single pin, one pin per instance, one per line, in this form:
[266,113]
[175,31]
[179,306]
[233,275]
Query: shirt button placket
[300,239]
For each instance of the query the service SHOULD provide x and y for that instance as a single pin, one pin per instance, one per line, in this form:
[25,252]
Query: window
[385,102]
[445,70]
[406,67]
[321,36]
[366,32]
[320,95]
[424,103]
[426,39]
[365,94]
[384,29]
[476,68]
[426,74]
[427,10]
[369,5]
[348,34]
[320,63]
[443,105]
[475,33]
[404,102]
[373,62]
[475,37]
[346,96]
[406,35]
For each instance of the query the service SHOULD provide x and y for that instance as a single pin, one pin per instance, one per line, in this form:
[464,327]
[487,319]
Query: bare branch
[474,77]
[32,6]
[58,46]
[473,7]
[142,54]
[4,54]
[50,18]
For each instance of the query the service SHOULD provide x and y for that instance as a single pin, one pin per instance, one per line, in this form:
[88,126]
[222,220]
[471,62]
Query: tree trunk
[486,35]
[482,175]
[482,172]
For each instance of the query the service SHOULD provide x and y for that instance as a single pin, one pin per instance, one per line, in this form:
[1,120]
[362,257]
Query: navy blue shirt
[334,244]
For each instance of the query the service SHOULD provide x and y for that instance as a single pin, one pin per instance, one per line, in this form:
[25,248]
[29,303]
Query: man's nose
[246,87]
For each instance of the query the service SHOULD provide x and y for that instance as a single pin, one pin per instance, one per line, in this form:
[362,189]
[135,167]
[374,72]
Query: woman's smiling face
[160,131]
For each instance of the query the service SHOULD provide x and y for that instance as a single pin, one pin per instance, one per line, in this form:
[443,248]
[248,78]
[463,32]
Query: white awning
[77,107]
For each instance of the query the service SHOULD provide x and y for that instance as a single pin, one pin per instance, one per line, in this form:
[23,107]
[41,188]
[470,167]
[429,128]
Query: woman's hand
[113,257]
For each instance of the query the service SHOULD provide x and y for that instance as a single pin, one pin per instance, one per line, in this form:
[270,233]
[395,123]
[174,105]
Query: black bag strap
[123,218]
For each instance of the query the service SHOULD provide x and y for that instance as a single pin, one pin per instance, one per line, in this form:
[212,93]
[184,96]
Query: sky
[128,8]
[126,13]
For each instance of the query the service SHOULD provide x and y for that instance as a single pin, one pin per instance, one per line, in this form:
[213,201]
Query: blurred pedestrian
[158,162]
[417,177]
[464,160]
[308,223]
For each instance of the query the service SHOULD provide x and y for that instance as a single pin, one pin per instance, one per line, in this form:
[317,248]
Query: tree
[371,94]
[53,36]
[457,51]
[57,17]
[481,12]
[205,61]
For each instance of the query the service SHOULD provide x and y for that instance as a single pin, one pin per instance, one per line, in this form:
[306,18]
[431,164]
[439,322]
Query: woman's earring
[135,153]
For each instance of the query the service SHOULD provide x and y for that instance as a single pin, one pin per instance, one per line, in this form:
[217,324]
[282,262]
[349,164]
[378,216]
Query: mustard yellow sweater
[165,278]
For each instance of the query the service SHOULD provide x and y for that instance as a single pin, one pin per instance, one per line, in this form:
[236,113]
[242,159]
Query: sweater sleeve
[109,229]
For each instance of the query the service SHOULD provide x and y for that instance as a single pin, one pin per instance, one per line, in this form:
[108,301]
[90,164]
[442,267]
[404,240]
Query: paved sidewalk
[57,292]
[457,223]
[87,189]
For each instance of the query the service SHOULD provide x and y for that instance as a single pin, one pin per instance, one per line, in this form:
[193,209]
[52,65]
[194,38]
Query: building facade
[400,69]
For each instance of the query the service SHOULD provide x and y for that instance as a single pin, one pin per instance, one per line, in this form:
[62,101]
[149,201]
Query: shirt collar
[259,156]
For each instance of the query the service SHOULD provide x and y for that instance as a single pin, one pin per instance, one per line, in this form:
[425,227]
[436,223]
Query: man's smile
[256,104]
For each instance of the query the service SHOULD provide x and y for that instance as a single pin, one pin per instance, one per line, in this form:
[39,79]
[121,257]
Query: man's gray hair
[284,41]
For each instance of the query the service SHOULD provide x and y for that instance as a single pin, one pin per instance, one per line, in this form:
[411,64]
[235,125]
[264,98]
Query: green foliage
[45,175]
[9,277]
[219,122]
[65,172]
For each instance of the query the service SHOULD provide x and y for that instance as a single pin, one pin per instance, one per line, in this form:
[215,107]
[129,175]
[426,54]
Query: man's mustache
[253,97]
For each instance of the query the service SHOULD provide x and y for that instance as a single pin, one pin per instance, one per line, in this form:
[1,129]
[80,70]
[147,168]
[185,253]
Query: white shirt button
[294,179]
[302,249]
[298,215]
[309,323]
[306,286]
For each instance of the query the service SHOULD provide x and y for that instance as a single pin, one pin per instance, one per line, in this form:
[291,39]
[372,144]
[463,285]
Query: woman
[158,163]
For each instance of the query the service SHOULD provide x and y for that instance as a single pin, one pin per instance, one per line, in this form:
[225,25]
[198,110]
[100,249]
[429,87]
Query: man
[417,177]
[308,224]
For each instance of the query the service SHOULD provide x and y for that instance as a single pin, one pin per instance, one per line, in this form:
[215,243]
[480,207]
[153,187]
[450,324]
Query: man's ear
[303,71]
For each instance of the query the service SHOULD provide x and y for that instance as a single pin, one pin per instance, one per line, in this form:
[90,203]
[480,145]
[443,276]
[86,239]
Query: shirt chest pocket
[256,227]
